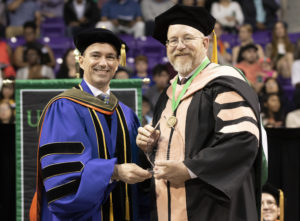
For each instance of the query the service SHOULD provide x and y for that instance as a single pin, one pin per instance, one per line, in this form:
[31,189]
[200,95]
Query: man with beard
[86,137]
[205,140]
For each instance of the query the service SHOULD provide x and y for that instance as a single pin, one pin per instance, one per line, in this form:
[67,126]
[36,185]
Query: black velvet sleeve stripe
[239,120]
[61,148]
[63,190]
[234,105]
[61,168]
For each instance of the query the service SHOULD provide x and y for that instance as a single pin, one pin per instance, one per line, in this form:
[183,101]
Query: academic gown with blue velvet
[77,154]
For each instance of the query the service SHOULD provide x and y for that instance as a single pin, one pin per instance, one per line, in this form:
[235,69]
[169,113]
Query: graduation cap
[100,35]
[196,17]
[278,196]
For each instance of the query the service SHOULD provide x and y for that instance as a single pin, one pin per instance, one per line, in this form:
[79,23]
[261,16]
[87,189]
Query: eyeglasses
[173,42]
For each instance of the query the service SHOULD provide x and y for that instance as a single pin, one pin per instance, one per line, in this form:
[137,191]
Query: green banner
[31,97]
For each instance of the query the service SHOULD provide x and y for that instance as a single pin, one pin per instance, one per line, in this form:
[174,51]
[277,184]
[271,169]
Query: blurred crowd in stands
[36,43]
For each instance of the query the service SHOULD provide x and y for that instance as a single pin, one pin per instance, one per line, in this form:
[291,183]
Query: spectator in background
[267,68]
[224,51]
[272,113]
[6,113]
[229,14]
[67,68]
[141,66]
[19,12]
[34,69]
[271,8]
[30,36]
[295,78]
[122,16]
[122,73]
[3,18]
[293,117]
[141,71]
[280,50]
[80,15]
[51,8]
[271,203]
[8,94]
[5,58]
[146,111]
[151,9]
[245,37]
[270,86]
[161,77]
[248,62]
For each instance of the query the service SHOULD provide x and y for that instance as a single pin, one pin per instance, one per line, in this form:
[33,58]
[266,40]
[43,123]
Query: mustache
[181,54]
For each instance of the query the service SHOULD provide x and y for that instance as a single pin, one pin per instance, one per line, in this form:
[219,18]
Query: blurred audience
[280,50]
[272,114]
[122,73]
[51,8]
[34,69]
[293,117]
[67,68]
[245,37]
[80,15]
[30,36]
[229,14]
[160,77]
[123,16]
[151,9]
[295,78]
[6,113]
[8,94]
[5,60]
[19,12]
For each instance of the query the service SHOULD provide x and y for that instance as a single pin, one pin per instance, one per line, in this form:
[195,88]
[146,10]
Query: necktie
[104,97]
[183,81]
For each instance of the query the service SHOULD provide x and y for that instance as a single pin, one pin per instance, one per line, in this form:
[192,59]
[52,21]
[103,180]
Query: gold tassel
[77,68]
[127,213]
[281,205]
[214,57]
[123,56]
[111,209]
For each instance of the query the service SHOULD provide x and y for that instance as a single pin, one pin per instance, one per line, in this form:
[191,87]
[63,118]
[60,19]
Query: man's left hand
[173,171]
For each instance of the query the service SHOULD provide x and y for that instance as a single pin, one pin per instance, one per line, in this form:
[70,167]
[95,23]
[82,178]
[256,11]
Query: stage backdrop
[31,97]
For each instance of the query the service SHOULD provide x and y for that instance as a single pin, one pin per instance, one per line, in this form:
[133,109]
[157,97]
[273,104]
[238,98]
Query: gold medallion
[171,122]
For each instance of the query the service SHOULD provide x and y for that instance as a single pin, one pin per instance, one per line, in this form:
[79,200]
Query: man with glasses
[86,137]
[205,131]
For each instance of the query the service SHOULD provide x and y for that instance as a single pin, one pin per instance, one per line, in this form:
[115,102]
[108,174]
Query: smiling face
[99,62]
[270,210]
[185,57]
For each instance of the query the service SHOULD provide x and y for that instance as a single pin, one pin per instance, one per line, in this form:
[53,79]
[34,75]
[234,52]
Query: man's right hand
[130,173]
[147,137]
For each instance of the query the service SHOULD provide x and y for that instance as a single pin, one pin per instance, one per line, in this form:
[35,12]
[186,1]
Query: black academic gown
[219,120]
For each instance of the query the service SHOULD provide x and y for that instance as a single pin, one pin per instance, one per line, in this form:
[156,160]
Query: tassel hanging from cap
[214,57]
[77,68]
[281,205]
[123,55]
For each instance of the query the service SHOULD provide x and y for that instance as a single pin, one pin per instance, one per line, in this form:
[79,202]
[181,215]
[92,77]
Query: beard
[183,67]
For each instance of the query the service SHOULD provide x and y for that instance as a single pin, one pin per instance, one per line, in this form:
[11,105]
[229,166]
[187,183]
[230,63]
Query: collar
[96,91]
[190,74]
